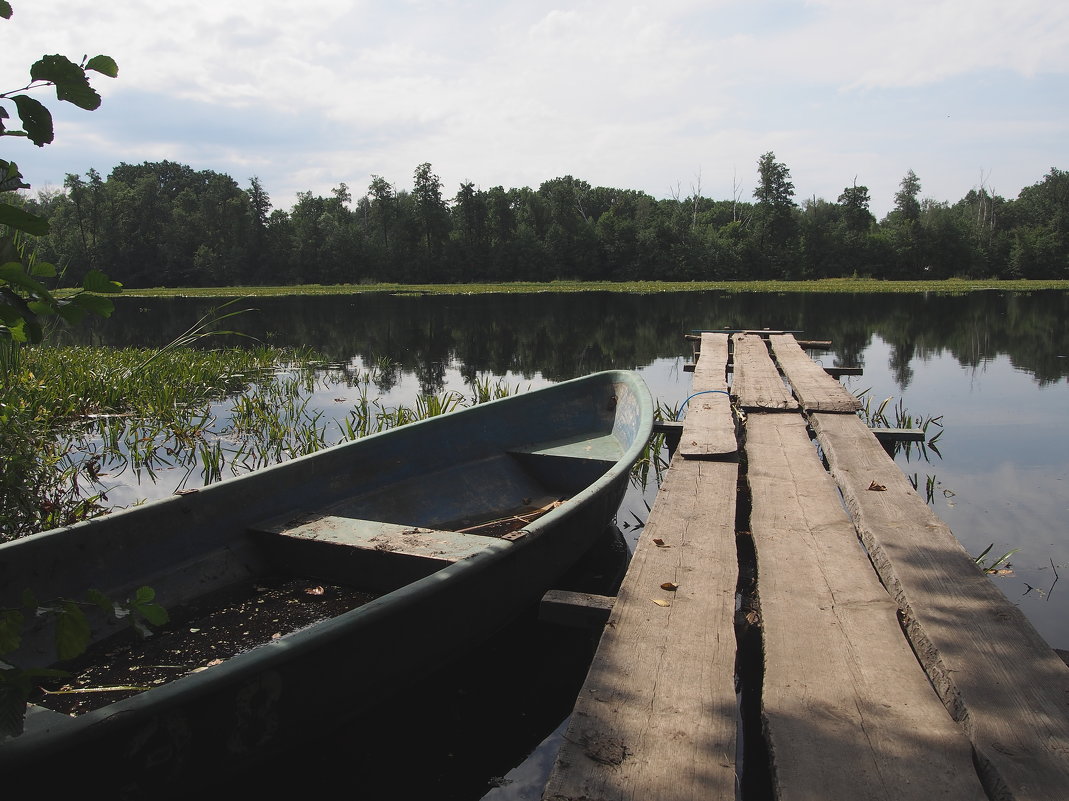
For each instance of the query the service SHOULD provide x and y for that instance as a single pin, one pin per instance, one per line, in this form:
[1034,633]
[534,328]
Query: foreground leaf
[105,65]
[20,220]
[72,631]
[36,120]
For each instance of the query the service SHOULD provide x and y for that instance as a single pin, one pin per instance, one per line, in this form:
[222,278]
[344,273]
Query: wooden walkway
[891,667]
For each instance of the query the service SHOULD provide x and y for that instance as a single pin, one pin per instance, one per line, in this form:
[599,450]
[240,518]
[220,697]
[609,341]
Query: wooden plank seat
[373,554]
[605,448]
[444,546]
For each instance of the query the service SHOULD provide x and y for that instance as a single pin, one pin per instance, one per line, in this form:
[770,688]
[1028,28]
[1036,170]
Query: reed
[78,419]
[68,415]
[654,459]
[886,414]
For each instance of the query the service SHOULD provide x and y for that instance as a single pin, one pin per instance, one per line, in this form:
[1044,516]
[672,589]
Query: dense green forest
[166,224]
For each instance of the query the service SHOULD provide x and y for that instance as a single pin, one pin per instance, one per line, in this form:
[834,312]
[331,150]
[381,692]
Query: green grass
[847,285]
[67,412]
[73,417]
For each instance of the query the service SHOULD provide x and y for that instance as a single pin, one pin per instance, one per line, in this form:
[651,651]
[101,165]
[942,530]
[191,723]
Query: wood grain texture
[656,718]
[996,675]
[758,384]
[709,426]
[813,387]
[847,711]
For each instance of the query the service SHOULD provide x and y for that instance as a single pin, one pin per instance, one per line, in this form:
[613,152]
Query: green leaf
[15,274]
[55,69]
[36,119]
[10,177]
[13,323]
[43,269]
[5,9]
[72,313]
[20,220]
[40,307]
[71,83]
[100,600]
[96,281]
[11,622]
[20,331]
[105,65]
[72,631]
[152,612]
[93,303]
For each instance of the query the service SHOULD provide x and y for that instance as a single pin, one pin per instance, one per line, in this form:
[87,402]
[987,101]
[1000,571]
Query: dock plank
[709,427]
[996,675]
[656,717]
[814,388]
[847,711]
[758,384]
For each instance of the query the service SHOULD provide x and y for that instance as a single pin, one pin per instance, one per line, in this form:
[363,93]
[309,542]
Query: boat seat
[446,546]
[375,554]
[606,448]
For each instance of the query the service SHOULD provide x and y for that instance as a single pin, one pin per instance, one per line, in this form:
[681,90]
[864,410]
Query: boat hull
[382,513]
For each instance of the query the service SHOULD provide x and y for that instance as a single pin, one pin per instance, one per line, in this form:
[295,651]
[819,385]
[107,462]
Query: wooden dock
[889,667]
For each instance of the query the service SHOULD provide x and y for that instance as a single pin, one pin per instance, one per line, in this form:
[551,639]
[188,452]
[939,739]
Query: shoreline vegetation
[92,418]
[166,224]
[830,285]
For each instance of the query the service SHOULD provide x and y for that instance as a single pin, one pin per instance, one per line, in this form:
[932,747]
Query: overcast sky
[665,97]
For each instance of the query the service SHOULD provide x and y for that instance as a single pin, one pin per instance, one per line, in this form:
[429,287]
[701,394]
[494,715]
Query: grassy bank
[845,285]
[67,414]
[75,421]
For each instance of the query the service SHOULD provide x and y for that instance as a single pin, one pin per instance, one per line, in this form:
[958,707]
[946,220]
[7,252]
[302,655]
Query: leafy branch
[71,637]
[24,299]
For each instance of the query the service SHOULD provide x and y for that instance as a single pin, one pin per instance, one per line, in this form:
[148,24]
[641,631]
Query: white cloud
[642,95]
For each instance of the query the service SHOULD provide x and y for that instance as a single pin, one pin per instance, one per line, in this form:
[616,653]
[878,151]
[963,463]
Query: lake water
[992,365]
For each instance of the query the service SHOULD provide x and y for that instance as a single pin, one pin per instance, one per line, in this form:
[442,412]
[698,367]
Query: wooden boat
[451,525]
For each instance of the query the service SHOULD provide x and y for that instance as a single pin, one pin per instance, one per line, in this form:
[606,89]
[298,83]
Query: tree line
[166,224]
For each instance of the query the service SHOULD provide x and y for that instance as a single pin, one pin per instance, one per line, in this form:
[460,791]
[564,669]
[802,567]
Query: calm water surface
[992,365]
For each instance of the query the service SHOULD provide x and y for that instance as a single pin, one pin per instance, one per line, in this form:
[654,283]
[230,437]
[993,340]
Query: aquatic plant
[71,415]
[1000,566]
[877,417]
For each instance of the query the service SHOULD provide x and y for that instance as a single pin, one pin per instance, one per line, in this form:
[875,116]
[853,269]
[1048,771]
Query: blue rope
[696,394]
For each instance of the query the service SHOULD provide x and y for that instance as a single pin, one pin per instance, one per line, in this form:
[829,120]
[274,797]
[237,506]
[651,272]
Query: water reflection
[993,365]
[562,336]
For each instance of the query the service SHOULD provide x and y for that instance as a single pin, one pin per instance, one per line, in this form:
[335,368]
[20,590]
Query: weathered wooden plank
[757,383]
[995,673]
[578,609]
[898,434]
[755,331]
[709,427]
[847,711]
[656,718]
[711,370]
[813,387]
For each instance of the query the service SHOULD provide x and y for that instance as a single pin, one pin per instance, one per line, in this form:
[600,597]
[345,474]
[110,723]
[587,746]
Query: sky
[672,98]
